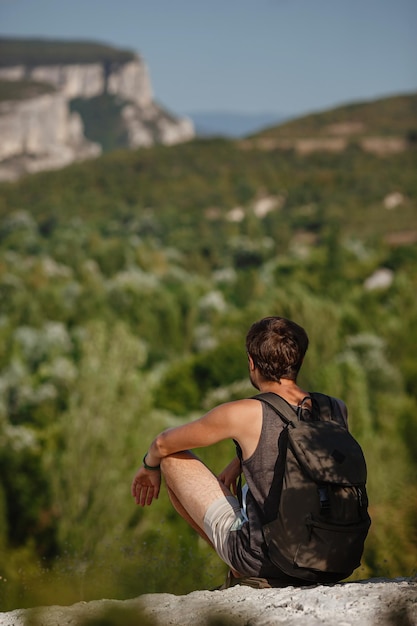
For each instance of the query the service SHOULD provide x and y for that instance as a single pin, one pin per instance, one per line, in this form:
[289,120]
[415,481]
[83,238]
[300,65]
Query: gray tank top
[247,549]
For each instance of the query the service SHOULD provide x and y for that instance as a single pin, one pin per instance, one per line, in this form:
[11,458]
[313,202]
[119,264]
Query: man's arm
[227,421]
[230,474]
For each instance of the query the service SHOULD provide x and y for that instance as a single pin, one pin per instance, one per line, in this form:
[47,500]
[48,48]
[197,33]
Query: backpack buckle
[324,498]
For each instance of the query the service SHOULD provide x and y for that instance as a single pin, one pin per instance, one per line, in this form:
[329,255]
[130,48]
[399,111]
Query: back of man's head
[277,347]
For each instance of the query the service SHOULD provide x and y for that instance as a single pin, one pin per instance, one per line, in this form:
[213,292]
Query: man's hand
[230,474]
[145,486]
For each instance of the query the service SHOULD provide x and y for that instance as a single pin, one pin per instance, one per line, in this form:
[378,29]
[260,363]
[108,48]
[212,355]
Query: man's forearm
[153,456]
[158,448]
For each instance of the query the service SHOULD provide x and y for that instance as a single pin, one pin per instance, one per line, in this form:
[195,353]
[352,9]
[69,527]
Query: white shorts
[223,517]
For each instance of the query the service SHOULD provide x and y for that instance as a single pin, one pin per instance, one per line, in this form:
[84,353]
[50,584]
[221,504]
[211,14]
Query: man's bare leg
[182,511]
[192,488]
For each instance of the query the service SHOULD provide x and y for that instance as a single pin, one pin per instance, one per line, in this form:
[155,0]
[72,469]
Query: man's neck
[287,389]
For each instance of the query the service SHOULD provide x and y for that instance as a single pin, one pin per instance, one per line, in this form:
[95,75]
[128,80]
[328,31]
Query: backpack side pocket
[332,547]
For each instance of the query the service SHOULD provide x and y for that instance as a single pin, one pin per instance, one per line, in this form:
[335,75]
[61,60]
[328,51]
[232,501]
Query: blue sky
[281,56]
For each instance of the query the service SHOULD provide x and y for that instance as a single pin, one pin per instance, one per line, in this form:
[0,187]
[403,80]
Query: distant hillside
[185,195]
[396,115]
[15,51]
[384,126]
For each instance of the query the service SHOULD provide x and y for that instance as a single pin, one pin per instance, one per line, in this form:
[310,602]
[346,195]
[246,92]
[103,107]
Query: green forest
[40,51]
[127,285]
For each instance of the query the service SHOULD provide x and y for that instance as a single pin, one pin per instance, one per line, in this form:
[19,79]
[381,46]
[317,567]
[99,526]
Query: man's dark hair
[277,347]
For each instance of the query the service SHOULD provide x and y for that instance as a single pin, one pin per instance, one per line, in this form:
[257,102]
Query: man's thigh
[194,485]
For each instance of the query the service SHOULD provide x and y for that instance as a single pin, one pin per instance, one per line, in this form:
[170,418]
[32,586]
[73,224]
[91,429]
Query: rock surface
[41,132]
[128,80]
[377,602]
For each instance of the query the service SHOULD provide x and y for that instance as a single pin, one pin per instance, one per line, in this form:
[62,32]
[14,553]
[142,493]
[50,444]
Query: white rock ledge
[376,602]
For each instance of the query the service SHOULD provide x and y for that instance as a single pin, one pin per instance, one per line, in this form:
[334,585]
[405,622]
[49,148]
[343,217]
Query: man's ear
[251,363]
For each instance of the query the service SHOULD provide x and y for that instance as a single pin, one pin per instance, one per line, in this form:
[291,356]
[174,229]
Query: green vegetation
[23,89]
[31,52]
[127,285]
[389,116]
[102,120]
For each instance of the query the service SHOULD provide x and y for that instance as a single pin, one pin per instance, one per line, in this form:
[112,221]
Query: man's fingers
[143,496]
[146,495]
[139,493]
[145,489]
[150,496]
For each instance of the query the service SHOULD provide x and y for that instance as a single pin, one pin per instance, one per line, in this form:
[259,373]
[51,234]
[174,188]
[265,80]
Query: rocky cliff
[39,128]
[378,602]
[40,133]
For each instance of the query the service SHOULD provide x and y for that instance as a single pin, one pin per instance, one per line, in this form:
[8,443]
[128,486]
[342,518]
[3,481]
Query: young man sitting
[275,347]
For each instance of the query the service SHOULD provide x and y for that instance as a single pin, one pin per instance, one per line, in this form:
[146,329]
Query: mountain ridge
[382,126]
[399,116]
[45,51]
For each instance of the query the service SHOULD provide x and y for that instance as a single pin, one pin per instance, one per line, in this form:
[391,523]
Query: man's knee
[170,461]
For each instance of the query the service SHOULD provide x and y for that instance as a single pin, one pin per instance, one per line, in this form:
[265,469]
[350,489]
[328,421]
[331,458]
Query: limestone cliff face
[42,133]
[130,81]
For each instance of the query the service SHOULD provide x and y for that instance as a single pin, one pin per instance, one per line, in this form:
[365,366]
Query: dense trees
[127,286]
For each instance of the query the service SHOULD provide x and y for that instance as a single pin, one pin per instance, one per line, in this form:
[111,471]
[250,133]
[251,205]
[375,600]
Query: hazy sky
[280,56]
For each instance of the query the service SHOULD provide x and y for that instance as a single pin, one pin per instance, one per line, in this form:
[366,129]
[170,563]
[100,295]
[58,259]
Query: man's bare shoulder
[245,404]
[237,411]
[243,420]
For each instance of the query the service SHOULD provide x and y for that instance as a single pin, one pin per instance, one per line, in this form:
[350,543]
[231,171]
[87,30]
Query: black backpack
[321,519]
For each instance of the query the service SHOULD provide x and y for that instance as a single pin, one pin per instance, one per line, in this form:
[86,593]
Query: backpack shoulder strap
[328,408]
[286,412]
[325,407]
